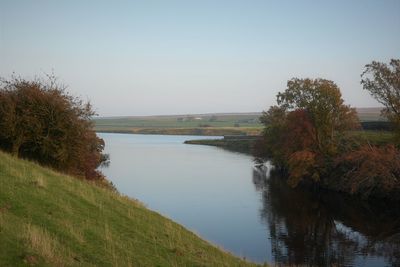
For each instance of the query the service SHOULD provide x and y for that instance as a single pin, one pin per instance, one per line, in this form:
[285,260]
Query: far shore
[206,131]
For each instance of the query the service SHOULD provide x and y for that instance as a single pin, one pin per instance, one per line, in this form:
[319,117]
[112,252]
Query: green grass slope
[49,219]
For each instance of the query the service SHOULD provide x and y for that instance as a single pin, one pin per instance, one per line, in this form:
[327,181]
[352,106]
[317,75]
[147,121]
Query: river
[221,196]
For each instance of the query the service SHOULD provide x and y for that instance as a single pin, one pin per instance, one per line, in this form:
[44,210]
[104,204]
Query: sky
[184,57]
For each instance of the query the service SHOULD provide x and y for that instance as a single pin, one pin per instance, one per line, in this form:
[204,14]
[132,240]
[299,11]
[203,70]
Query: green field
[199,124]
[205,124]
[50,219]
[374,137]
[182,121]
[370,114]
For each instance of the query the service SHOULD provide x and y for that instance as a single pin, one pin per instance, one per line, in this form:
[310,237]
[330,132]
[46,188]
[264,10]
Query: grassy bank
[246,146]
[243,146]
[49,219]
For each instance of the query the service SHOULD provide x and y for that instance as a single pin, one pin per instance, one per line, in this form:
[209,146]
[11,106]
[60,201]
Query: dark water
[222,197]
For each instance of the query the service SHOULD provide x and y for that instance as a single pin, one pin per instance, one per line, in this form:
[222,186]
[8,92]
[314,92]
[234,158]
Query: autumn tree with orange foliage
[39,120]
[306,137]
[370,170]
[327,113]
[304,132]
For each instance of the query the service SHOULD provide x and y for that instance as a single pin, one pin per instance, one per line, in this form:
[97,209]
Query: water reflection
[210,191]
[326,229]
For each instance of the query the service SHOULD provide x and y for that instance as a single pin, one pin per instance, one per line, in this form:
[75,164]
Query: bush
[371,169]
[307,130]
[40,121]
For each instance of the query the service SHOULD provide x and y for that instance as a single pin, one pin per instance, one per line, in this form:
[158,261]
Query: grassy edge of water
[200,131]
[242,146]
[50,219]
[373,137]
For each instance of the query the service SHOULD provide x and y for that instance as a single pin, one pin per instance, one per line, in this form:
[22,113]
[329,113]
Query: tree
[322,100]
[39,120]
[383,83]
[269,147]
[305,132]
[305,135]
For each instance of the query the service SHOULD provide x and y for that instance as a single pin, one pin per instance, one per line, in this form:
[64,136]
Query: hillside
[49,219]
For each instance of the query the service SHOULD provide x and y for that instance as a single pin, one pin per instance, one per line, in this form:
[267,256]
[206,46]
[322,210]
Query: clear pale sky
[180,57]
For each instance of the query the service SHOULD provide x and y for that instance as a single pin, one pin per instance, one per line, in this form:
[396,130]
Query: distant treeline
[377,125]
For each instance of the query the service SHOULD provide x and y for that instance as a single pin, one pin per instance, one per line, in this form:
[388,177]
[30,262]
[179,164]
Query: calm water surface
[222,197]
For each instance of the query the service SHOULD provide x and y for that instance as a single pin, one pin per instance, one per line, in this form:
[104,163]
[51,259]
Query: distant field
[200,124]
[370,114]
[182,121]
[374,137]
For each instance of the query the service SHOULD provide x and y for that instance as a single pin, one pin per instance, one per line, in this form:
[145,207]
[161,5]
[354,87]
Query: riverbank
[237,145]
[50,219]
[245,144]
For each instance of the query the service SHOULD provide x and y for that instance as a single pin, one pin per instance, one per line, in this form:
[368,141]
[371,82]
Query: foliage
[383,83]
[306,129]
[270,146]
[299,133]
[371,168]
[302,164]
[39,120]
[322,101]
[309,136]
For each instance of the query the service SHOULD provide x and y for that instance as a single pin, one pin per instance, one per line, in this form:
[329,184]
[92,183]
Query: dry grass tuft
[39,182]
[43,244]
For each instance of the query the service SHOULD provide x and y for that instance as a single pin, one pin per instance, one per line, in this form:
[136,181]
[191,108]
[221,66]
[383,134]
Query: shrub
[39,120]
[370,169]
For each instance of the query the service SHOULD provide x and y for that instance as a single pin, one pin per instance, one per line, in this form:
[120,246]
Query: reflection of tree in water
[326,229]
